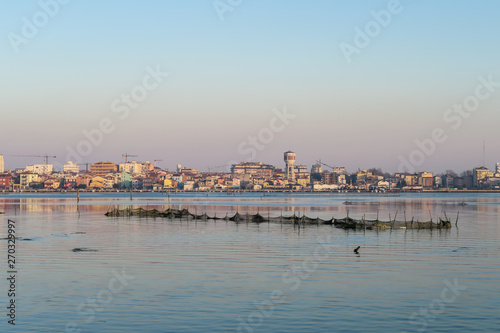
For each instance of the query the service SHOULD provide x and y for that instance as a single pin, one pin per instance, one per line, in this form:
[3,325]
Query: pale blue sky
[226,77]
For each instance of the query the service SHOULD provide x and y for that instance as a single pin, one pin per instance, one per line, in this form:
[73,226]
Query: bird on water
[356,250]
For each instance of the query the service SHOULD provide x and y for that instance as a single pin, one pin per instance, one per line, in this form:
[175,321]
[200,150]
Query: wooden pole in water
[77,195]
[456,222]
[131,194]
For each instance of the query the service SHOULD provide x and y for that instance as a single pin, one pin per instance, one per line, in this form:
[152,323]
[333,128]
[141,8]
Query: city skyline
[57,167]
[363,84]
[253,176]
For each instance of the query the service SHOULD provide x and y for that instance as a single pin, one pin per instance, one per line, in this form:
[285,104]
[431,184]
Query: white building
[71,167]
[339,170]
[383,183]
[2,166]
[27,178]
[188,185]
[40,169]
[133,168]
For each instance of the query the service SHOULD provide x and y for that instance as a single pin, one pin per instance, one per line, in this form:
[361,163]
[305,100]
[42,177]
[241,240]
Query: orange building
[103,168]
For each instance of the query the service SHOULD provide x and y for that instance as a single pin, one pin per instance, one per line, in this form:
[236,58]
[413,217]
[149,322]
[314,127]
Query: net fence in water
[344,223]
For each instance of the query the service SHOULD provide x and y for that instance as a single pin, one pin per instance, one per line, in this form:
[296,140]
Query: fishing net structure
[344,223]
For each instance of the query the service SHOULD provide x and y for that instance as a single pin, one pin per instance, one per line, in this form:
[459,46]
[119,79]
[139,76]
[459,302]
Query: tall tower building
[290,160]
[2,166]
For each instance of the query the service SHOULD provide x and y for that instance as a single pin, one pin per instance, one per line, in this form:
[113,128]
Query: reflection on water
[216,276]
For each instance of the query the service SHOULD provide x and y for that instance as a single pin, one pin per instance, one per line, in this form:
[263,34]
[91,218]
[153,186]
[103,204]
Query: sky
[398,85]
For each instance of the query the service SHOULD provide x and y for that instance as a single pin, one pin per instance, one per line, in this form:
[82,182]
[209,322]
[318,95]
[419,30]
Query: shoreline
[234,192]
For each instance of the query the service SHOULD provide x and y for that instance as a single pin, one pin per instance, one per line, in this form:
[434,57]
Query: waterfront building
[169,183]
[26,178]
[97,182]
[83,181]
[188,185]
[133,167]
[41,169]
[256,169]
[125,180]
[303,181]
[479,175]
[6,181]
[426,180]
[301,172]
[2,166]
[339,170]
[52,183]
[438,181]
[181,169]
[71,167]
[70,180]
[327,178]
[102,168]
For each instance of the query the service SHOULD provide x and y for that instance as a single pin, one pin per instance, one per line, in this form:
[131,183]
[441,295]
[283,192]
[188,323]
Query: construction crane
[127,156]
[156,161]
[325,164]
[45,156]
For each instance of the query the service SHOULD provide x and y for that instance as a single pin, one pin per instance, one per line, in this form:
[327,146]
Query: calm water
[162,275]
